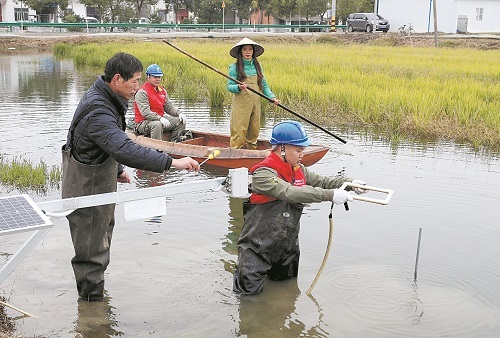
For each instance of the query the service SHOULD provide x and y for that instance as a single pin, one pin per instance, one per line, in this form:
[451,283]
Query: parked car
[90,19]
[367,22]
[144,21]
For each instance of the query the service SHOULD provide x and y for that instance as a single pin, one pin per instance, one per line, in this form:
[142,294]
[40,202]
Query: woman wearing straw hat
[245,114]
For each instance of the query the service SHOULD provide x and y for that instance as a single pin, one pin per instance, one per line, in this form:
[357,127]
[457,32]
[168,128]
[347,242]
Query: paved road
[48,33]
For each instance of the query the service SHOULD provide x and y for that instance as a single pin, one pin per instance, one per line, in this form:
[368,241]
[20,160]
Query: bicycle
[406,30]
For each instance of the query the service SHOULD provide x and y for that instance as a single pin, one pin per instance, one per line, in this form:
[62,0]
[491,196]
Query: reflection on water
[145,178]
[96,319]
[274,313]
[178,267]
[235,224]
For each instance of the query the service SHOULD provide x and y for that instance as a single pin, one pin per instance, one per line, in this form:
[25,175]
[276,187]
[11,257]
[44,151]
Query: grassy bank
[24,175]
[445,93]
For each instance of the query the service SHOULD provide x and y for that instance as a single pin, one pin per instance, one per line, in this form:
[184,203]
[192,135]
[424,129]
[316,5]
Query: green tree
[138,4]
[112,10]
[308,8]
[243,9]
[283,8]
[208,11]
[38,5]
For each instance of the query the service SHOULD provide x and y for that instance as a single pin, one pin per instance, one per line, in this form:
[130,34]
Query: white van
[90,19]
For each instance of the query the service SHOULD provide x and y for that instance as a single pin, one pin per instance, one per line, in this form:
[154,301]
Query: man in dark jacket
[94,156]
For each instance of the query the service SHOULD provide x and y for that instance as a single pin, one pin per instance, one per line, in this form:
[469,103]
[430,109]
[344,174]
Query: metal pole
[434,7]
[22,16]
[418,253]
[223,14]
[429,19]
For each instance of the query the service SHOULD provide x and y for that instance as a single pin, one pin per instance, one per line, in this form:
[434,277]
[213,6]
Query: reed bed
[24,175]
[445,93]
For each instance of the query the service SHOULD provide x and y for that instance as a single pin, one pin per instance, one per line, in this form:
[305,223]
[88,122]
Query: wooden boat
[203,144]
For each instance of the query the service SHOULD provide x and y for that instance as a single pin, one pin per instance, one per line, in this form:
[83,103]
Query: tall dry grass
[448,93]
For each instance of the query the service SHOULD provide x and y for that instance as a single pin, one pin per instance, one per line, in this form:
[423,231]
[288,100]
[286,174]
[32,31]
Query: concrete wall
[8,10]
[490,22]
[420,14]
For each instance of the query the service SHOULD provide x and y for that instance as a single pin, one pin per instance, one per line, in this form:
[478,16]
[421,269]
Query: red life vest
[294,176]
[157,98]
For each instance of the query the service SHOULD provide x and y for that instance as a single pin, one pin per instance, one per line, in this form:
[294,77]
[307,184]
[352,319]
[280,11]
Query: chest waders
[268,245]
[91,228]
[245,116]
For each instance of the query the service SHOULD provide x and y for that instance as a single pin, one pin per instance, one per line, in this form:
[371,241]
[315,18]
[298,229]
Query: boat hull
[203,144]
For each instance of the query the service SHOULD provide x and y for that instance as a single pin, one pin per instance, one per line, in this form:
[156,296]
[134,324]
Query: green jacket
[249,71]
[318,188]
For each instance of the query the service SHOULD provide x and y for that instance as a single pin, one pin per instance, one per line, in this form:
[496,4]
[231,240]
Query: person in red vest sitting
[154,112]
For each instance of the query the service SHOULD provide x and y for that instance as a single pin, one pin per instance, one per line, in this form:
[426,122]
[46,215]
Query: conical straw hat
[258,49]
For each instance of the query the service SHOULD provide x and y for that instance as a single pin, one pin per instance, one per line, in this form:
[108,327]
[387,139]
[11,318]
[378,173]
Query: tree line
[206,11]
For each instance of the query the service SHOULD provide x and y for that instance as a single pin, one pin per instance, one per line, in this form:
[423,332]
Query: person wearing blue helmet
[154,113]
[268,246]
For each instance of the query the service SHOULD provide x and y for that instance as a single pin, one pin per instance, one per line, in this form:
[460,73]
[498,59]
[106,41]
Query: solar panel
[20,213]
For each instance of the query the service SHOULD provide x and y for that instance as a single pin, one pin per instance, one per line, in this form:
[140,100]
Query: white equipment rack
[20,213]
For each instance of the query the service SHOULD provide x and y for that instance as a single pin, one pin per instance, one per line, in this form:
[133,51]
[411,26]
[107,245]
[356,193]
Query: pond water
[171,276]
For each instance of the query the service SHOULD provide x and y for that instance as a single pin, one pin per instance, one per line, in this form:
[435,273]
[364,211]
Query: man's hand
[185,163]
[124,177]
[182,117]
[165,122]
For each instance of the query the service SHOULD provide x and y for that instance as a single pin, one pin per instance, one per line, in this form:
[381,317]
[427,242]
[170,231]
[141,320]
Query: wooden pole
[434,9]
[15,308]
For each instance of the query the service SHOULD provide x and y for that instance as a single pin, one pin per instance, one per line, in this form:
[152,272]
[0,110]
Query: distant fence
[152,27]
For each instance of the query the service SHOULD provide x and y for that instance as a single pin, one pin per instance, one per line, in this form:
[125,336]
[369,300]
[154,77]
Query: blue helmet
[154,70]
[290,132]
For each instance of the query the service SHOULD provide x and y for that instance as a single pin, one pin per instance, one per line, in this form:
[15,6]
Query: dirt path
[45,41]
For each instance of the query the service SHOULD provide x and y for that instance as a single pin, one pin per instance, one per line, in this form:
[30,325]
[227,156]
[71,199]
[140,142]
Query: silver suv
[367,22]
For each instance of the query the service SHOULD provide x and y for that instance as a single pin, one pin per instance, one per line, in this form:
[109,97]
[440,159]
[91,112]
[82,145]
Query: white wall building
[11,11]
[472,16]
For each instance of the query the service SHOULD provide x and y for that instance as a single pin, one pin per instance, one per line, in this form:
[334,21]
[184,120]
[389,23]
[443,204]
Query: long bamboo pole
[256,92]
[17,309]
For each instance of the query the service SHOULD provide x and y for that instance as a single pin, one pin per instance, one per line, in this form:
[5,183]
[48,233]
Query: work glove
[182,117]
[340,196]
[165,122]
[359,191]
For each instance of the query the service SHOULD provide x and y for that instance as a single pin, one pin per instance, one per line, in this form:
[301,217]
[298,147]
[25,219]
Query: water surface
[171,276]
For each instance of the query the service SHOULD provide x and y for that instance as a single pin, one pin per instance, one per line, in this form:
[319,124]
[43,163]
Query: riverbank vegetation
[397,91]
[23,175]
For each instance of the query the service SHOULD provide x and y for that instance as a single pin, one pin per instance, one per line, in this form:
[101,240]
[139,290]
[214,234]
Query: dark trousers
[91,228]
[268,246]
